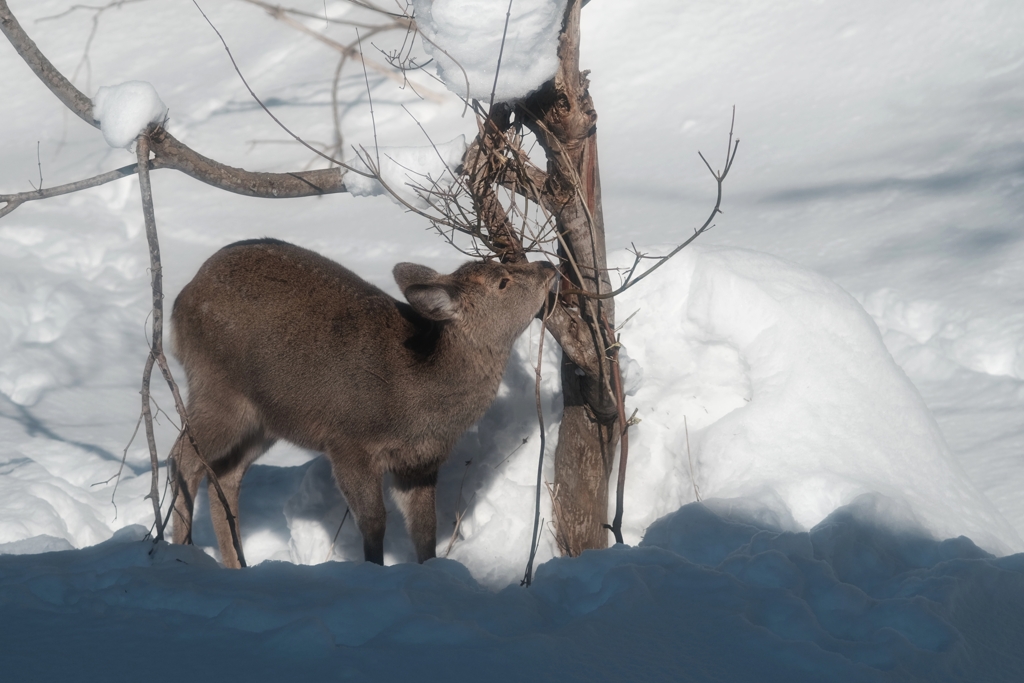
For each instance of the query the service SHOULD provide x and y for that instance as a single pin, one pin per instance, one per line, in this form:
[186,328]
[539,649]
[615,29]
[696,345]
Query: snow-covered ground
[837,368]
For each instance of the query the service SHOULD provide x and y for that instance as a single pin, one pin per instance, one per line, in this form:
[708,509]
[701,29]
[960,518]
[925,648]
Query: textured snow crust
[712,586]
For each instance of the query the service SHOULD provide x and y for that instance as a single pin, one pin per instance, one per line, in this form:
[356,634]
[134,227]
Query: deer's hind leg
[361,482]
[229,471]
[227,431]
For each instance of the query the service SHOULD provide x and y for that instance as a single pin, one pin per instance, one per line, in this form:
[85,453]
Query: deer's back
[312,345]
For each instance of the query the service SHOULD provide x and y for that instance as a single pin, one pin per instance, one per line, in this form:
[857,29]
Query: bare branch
[404,23]
[13,201]
[156,355]
[535,541]
[501,51]
[719,177]
[156,345]
[67,93]
[167,150]
[259,101]
[620,399]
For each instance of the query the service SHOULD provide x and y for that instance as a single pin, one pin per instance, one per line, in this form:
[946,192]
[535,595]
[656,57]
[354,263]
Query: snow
[789,394]
[836,366]
[125,110]
[464,37]
[851,600]
[418,174]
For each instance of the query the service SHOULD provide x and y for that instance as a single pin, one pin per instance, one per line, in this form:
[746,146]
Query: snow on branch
[126,110]
[466,38]
[167,151]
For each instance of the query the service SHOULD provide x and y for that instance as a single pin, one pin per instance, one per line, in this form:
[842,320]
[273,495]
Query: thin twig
[535,539]
[281,14]
[120,469]
[719,179]
[616,525]
[689,458]
[369,99]
[156,356]
[260,102]
[39,163]
[501,51]
[514,451]
[330,551]
[13,201]
[142,151]
[459,514]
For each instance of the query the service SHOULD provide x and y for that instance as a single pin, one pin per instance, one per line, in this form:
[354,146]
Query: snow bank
[125,110]
[851,600]
[464,37]
[414,173]
[790,397]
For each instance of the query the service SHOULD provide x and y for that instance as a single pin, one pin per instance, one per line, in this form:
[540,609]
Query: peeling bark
[563,117]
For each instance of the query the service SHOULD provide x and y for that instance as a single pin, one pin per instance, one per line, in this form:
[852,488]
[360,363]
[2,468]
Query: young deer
[279,342]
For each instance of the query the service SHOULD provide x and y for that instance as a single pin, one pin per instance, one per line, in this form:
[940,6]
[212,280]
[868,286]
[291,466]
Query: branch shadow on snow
[35,427]
[947,182]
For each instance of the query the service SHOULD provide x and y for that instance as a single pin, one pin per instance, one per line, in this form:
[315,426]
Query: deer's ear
[432,301]
[409,274]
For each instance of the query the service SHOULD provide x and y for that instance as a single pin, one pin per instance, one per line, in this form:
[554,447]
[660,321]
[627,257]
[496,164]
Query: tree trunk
[563,118]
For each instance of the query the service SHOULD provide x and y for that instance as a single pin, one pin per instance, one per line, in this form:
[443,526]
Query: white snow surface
[417,174]
[464,37]
[835,368]
[125,110]
[790,396]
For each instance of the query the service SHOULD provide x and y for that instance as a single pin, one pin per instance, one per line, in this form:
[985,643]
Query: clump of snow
[468,34]
[632,373]
[126,110]
[414,173]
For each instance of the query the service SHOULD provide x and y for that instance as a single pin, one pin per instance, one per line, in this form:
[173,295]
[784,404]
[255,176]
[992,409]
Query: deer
[281,343]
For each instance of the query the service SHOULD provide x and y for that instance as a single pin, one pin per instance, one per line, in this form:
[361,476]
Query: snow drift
[790,396]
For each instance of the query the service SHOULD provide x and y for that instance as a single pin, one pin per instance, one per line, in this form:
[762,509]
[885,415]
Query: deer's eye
[504,283]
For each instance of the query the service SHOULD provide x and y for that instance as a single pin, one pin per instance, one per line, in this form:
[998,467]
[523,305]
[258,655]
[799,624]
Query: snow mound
[851,600]
[126,110]
[789,396]
[465,38]
[414,173]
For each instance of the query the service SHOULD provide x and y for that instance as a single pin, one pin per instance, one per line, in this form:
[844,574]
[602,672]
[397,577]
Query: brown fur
[279,342]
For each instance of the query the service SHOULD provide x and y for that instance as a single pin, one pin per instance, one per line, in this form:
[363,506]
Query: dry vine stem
[156,355]
[156,341]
